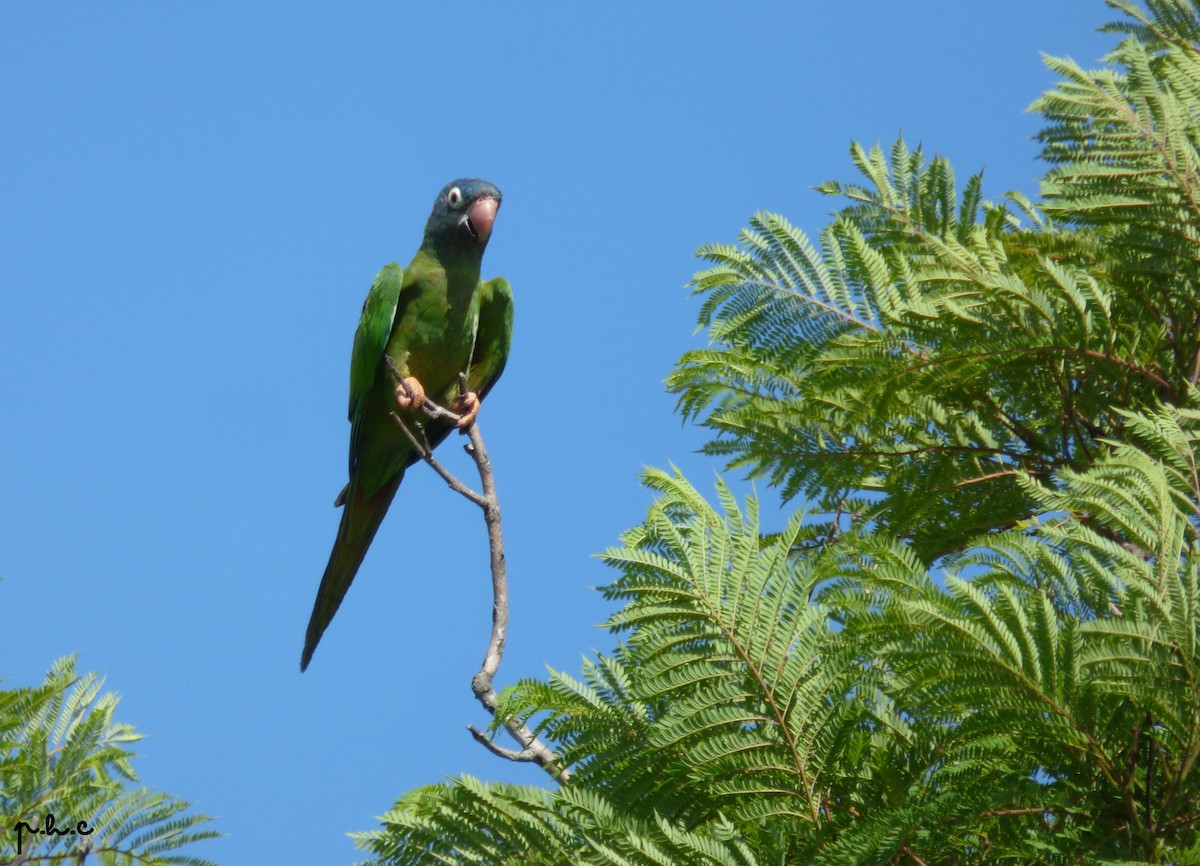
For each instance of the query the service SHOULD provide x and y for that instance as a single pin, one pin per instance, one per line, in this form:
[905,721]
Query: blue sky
[193,203]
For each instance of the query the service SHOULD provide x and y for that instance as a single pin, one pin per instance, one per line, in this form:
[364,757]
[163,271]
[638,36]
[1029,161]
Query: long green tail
[360,518]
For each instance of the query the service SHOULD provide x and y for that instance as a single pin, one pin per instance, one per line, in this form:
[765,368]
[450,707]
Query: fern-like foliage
[1033,701]
[1124,142]
[62,754]
[725,636]
[930,348]
[513,826]
[1066,651]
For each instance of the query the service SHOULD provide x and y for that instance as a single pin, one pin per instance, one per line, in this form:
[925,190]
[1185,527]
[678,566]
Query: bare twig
[481,737]
[426,451]
[532,748]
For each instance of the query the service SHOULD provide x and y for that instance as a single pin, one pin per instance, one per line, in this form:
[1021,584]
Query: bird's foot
[467,406]
[410,396]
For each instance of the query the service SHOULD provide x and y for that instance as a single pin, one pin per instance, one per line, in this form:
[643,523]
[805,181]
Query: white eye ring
[454,198]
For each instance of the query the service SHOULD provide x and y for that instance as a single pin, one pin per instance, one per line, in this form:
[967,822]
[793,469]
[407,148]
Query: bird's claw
[467,407]
[410,396]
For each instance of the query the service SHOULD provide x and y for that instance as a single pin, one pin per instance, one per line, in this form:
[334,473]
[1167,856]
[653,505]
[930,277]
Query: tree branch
[424,449]
[532,748]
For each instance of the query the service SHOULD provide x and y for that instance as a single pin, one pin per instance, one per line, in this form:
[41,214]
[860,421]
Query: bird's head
[463,214]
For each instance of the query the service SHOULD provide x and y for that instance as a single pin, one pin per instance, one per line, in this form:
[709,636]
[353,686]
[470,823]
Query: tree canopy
[977,639]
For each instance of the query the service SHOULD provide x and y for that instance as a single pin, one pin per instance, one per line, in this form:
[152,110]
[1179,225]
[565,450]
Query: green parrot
[434,320]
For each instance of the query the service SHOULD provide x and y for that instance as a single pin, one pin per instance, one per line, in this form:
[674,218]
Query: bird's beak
[480,216]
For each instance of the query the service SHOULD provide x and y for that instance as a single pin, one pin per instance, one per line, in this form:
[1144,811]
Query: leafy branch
[62,755]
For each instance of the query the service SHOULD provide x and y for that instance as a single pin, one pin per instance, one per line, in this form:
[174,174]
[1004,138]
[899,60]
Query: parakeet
[434,319]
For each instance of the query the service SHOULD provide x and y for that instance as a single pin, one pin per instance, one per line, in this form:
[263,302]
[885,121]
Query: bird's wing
[493,336]
[370,341]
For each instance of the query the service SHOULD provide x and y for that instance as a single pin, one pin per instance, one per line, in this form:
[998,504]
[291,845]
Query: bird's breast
[433,341]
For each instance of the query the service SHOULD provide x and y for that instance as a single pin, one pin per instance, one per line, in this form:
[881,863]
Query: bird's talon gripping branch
[410,396]
[467,406]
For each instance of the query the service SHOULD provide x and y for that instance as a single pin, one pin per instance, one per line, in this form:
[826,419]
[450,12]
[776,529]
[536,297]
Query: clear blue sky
[193,202]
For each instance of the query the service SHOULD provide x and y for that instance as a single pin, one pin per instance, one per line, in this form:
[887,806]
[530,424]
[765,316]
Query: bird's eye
[454,197]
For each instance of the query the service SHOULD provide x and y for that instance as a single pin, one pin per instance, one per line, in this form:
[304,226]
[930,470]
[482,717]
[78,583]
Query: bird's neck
[459,266]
